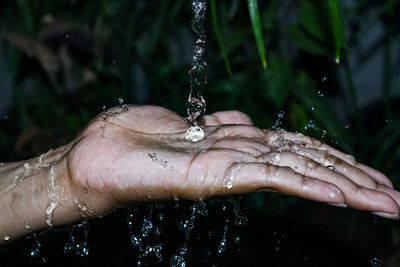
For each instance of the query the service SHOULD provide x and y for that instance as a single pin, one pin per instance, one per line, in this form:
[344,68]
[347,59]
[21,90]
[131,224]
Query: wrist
[36,194]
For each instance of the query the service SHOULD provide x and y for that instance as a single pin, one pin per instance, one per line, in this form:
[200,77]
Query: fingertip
[377,175]
[378,201]
[392,216]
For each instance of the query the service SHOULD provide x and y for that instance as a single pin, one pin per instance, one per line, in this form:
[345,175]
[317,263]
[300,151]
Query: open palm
[140,154]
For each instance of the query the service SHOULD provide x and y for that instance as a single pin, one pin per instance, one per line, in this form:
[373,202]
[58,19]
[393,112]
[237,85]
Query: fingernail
[393,216]
[340,205]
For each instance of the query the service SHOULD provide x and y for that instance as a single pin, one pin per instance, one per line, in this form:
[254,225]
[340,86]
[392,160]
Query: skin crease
[140,154]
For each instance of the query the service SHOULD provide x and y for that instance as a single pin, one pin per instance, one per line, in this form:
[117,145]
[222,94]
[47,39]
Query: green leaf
[310,18]
[218,35]
[306,43]
[337,27]
[255,22]
[277,81]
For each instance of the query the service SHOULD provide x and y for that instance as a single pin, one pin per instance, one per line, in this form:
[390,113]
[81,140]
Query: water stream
[196,104]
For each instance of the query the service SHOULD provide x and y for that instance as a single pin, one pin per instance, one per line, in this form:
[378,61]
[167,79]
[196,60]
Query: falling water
[78,243]
[198,209]
[196,105]
[147,230]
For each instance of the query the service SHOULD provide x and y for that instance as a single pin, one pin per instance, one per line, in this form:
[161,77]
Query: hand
[141,154]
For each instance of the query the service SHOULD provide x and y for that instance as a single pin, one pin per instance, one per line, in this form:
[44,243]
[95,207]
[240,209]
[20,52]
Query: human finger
[316,144]
[249,145]
[380,177]
[227,117]
[331,162]
[255,176]
[356,196]
[231,130]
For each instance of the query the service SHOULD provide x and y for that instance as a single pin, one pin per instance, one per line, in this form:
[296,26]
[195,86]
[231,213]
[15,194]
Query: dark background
[62,61]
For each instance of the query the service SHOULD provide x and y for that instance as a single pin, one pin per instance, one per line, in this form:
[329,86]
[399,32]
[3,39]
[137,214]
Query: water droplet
[198,49]
[375,262]
[240,218]
[222,246]
[194,134]
[34,252]
[114,61]
[224,207]
[320,94]
[223,243]
[27,225]
[6,238]
[388,121]
[44,259]
[347,126]
[237,239]
[67,36]
[324,79]
[136,241]
[312,108]
[160,216]
[157,231]
[177,261]
[49,213]
[146,227]
[310,125]
[81,247]
[156,250]
[278,121]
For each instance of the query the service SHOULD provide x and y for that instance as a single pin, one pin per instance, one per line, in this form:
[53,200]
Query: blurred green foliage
[70,58]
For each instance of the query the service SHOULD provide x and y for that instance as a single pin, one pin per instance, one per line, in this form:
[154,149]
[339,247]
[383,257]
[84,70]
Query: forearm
[35,195]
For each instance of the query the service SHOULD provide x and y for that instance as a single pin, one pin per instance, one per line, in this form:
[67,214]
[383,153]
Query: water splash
[154,250]
[375,262]
[147,229]
[240,217]
[223,243]
[78,243]
[196,105]
[35,250]
[108,113]
[147,225]
[278,121]
[198,209]
[178,261]
[310,125]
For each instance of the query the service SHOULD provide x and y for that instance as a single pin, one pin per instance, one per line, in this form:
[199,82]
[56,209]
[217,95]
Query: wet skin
[141,154]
